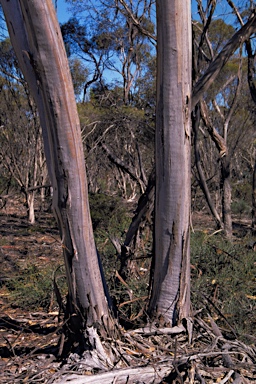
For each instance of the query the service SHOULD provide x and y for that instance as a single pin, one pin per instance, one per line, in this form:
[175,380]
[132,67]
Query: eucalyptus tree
[216,111]
[170,296]
[124,52]
[38,44]
[109,40]
[215,42]
[37,41]
[21,148]
[251,82]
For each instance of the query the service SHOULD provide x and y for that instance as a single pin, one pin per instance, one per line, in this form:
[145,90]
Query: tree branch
[216,137]
[135,20]
[215,67]
[124,166]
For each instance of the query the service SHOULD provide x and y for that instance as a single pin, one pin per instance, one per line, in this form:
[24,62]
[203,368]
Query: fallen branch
[147,374]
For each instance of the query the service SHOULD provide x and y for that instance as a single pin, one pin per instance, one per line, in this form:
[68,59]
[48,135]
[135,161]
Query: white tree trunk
[37,41]
[31,207]
[170,299]
[226,196]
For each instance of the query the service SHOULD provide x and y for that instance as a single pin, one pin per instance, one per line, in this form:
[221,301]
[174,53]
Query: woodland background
[113,71]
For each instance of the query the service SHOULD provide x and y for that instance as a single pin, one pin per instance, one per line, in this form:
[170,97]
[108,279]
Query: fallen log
[149,375]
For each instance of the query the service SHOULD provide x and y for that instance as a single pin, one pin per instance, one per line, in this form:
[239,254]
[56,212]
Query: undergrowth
[223,274]
[32,288]
[224,281]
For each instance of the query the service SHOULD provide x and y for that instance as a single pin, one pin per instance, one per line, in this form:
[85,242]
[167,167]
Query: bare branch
[123,166]
[215,67]
[135,21]
[216,137]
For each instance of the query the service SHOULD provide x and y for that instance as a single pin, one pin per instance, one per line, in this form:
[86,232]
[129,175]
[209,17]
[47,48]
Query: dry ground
[29,337]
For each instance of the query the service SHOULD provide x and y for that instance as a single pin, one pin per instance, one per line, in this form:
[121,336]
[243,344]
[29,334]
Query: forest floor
[30,325]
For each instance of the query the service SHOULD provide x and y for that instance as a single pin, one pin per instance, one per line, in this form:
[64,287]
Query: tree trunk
[31,207]
[226,197]
[254,198]
[37,41]
[252,87]
[143,212]
[202,181]
[170,296]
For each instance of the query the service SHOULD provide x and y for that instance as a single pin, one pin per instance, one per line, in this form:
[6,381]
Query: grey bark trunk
[226,197]
[37,41]
[170,296]
[254,198]
[252,86]
[202,181]
[144,210]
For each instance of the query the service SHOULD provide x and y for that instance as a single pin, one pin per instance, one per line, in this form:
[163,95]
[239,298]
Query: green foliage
[79,75]
[223,279]
[127,132]
[241,198]
[240,207]
[32,287]
[220,33]
[110,219]
[243,191]
[109,213]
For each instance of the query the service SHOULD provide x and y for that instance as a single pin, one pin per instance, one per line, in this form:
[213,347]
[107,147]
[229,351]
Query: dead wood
[145,355]
[131,375]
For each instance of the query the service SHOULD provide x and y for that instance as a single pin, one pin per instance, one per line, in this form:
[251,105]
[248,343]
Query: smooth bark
[226,196]
[170,296]
[37,41]
[31,207]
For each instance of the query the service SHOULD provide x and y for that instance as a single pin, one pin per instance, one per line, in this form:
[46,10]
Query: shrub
[240,207]
[223,280]
[32,288]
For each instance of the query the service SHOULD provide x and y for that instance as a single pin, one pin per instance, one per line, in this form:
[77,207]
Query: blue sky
[63,14]
[62,11]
